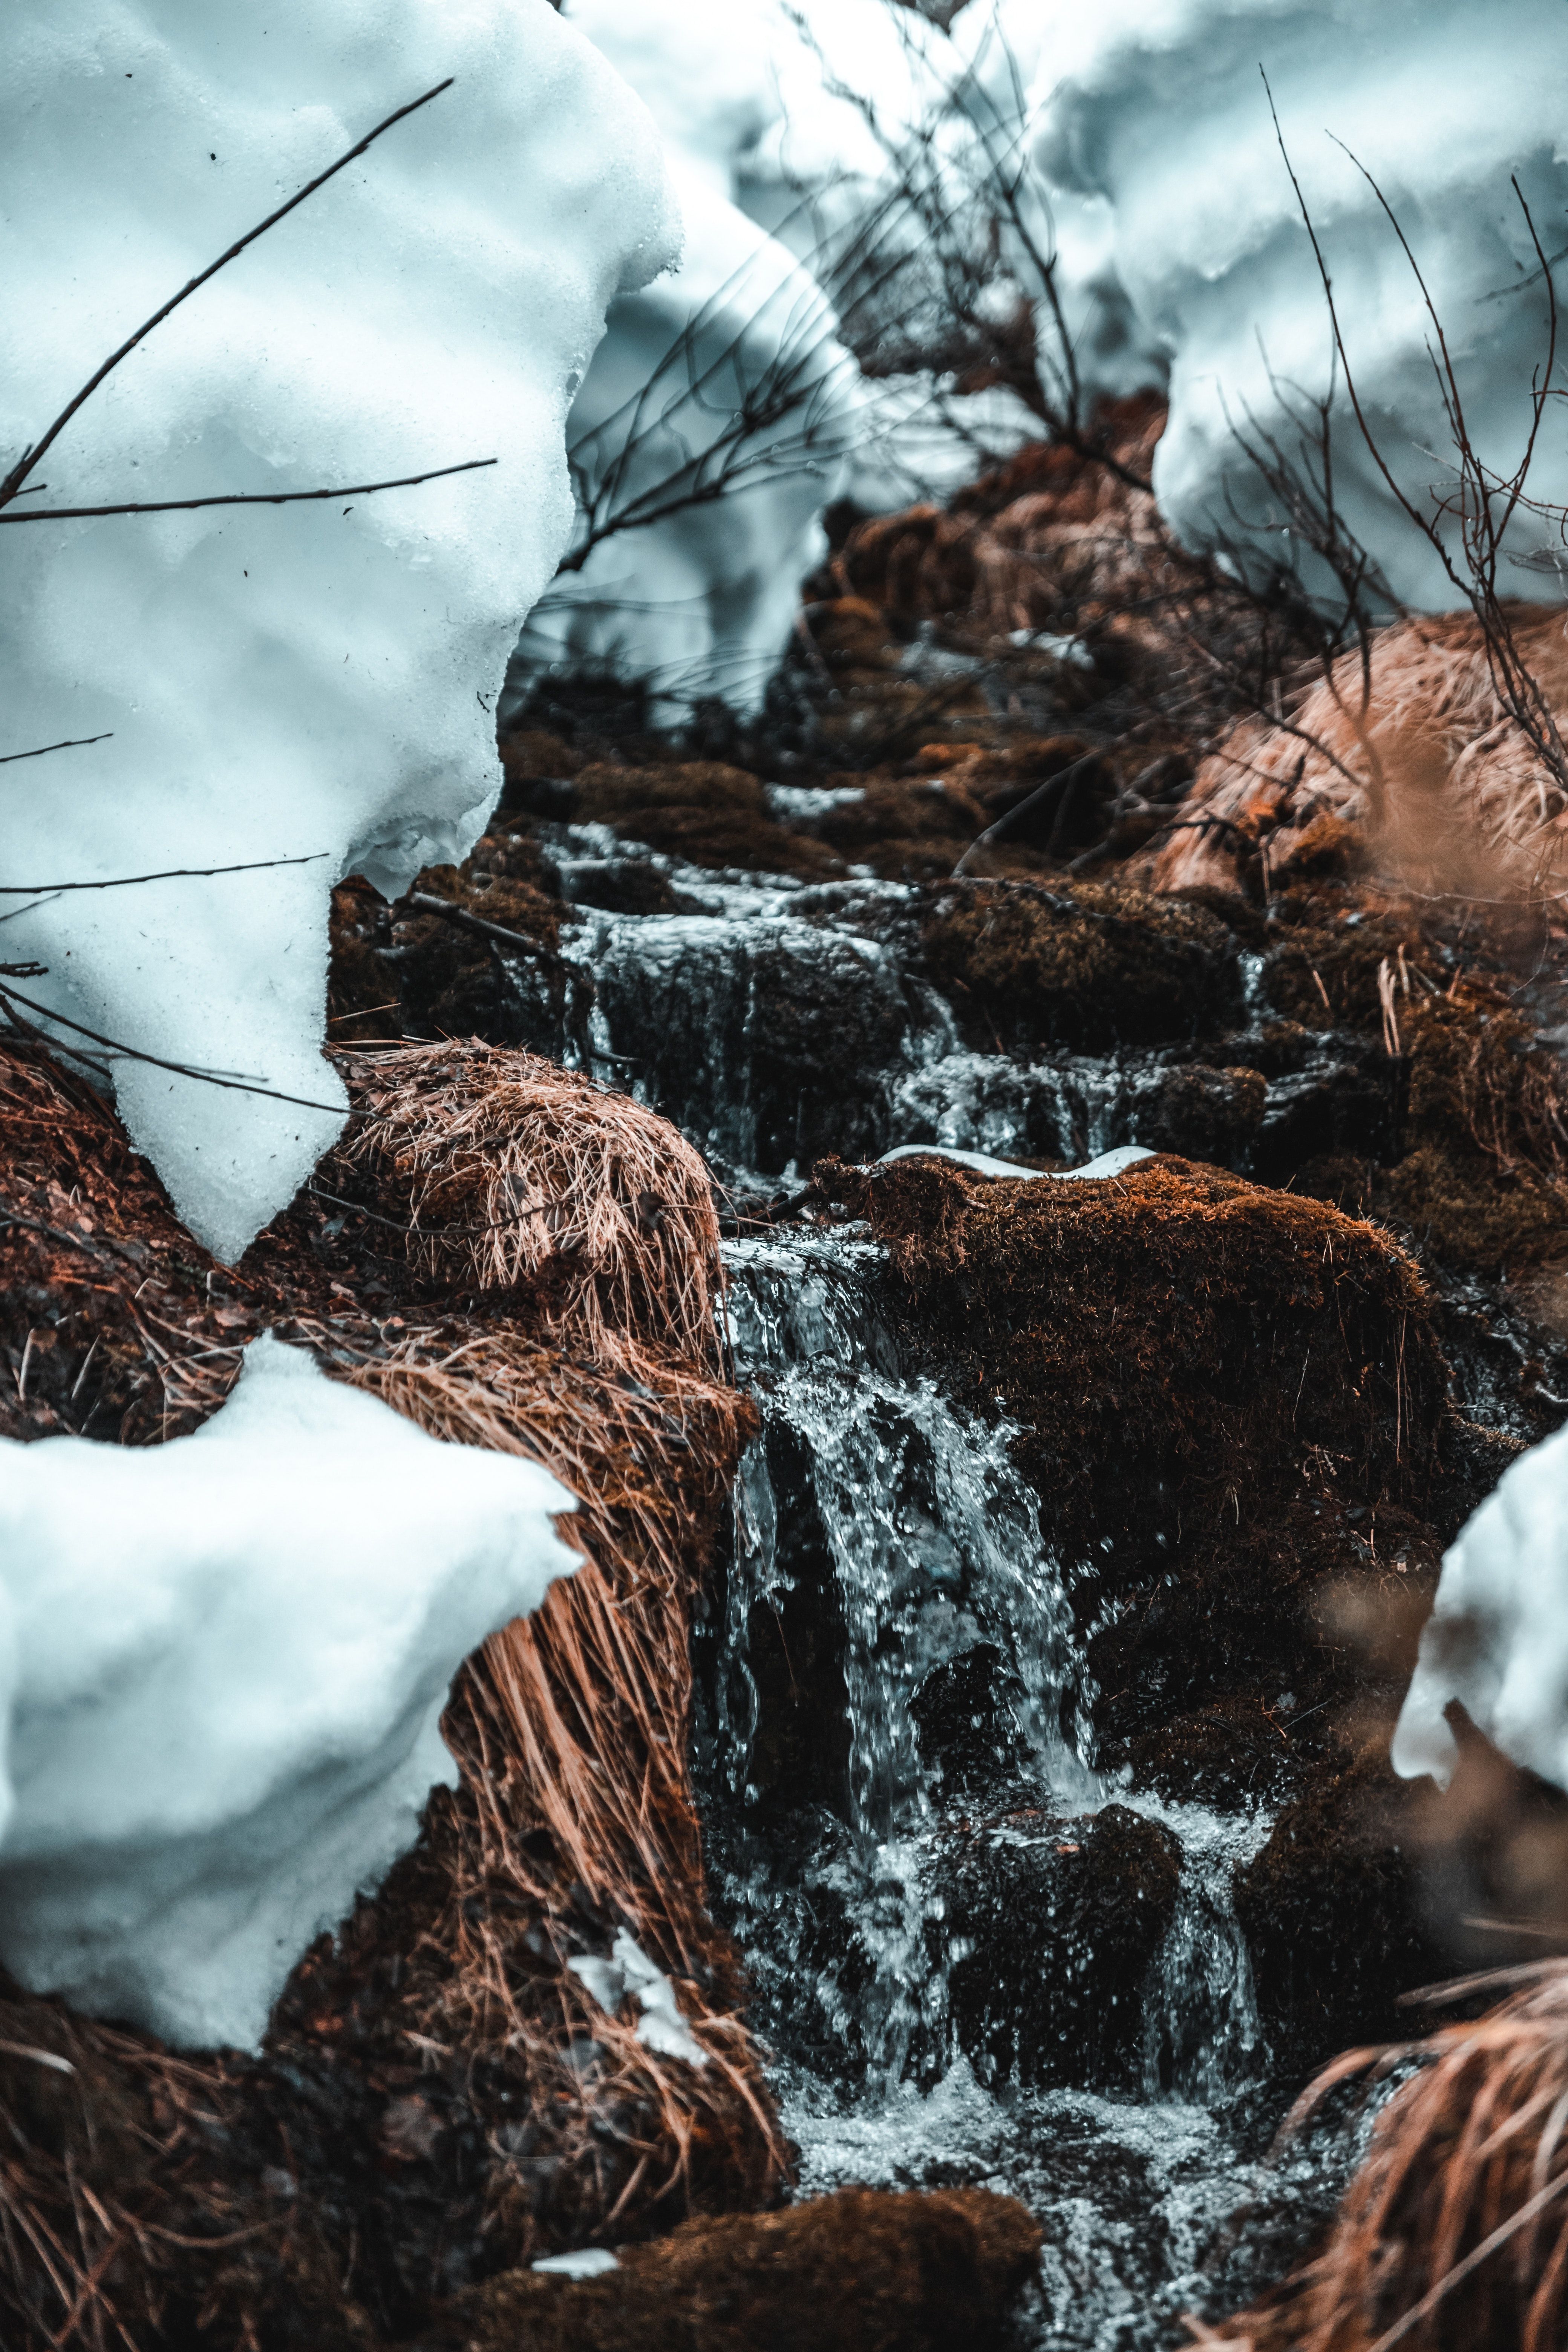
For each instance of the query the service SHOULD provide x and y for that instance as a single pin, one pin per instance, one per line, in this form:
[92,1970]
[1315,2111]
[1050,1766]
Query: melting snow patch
[587,2262]
[1109,1163]
[1496,1640]
[225,1664]
[628,1970]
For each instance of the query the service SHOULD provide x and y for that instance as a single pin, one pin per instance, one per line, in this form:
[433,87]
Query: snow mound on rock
[224,1665]
[314,681]
[1496,1640]
[1154,113]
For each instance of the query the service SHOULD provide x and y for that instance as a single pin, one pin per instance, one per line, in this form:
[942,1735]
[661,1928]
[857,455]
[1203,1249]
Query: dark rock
[865,2269]
[1057,1922]
[1204,1113]
[1080,966]
[966,1724]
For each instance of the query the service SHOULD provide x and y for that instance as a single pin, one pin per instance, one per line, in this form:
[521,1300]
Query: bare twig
[247,498]
[11,486]
[73,743]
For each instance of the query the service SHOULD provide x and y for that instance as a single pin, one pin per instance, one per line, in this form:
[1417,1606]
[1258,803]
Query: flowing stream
[886,1547]
[934,1546]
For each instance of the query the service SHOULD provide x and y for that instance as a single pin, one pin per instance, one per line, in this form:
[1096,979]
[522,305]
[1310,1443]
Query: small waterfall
[934,1543]
[1203,2041]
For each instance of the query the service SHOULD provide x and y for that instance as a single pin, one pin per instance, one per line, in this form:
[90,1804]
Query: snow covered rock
[1497,1639]
[1153,114]
[784,188]
[312,681]
[223,1664]
[726,378]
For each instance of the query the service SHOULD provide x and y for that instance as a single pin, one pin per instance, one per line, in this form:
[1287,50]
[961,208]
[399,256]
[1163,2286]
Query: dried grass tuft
[515,1175]
[1453,2235]
[443,2032]
[1420,757]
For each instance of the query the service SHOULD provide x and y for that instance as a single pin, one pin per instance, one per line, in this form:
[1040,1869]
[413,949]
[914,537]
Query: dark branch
[12,996]
[245,499]
[12,485]
[73,743]
[169,874]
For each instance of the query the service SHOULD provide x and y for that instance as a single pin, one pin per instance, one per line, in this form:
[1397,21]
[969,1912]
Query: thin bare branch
[11,485]
[248,498]
[72,743]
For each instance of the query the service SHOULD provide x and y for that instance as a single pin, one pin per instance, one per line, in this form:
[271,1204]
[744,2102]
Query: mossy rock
[1056,1921]
[866,2270]
[1079,965]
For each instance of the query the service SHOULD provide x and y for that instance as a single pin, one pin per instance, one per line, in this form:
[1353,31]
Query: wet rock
[1168,1331]
[966,1722]
[864,2271]
[768,1043]
[1332,1912]
[1054,1922]
[1205,1114]
[1080,966]
[796,1651]
[700,810]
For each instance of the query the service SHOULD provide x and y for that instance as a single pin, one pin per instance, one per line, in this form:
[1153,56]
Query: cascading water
[917,1927]
[934,1546]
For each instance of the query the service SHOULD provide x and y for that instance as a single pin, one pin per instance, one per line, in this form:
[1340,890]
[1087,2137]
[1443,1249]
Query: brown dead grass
[441,2041]
[513,1174]
[1443,791]
[1453,2234]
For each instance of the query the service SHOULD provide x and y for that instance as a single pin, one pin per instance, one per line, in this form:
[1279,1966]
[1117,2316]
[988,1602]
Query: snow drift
[225,1664]
[720,411]
[314,681]
[1496,1640]
[730,376]
[1156,109]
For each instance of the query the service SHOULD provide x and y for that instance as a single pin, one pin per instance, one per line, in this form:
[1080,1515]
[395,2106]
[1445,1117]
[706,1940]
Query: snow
[702,602]
[629,1973]
[314,681]
[223,1666]
[1154,112]
[1496,1640]
[1109,1163]
[777,173]
[584,2263]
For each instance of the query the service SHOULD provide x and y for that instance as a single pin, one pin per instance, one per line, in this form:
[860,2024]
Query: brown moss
[1332,1908]
[863,2270]
[1082,965]
[906,829]
[1161,1325]
[701,811]
[406,969]
[1230,1399]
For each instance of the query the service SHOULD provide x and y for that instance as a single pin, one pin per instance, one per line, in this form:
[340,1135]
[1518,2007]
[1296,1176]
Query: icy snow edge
[223,1662]
[1497,1639]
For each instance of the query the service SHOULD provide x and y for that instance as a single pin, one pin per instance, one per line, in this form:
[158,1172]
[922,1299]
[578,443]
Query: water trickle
[935,1544]
[1203,2041]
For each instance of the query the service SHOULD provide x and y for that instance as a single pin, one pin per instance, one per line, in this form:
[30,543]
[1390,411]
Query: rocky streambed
[1045,1680]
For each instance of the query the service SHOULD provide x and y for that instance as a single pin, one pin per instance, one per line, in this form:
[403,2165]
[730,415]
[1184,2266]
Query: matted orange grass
[570,1727]
[513,1172]
[1453,2235]
[1445,792]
